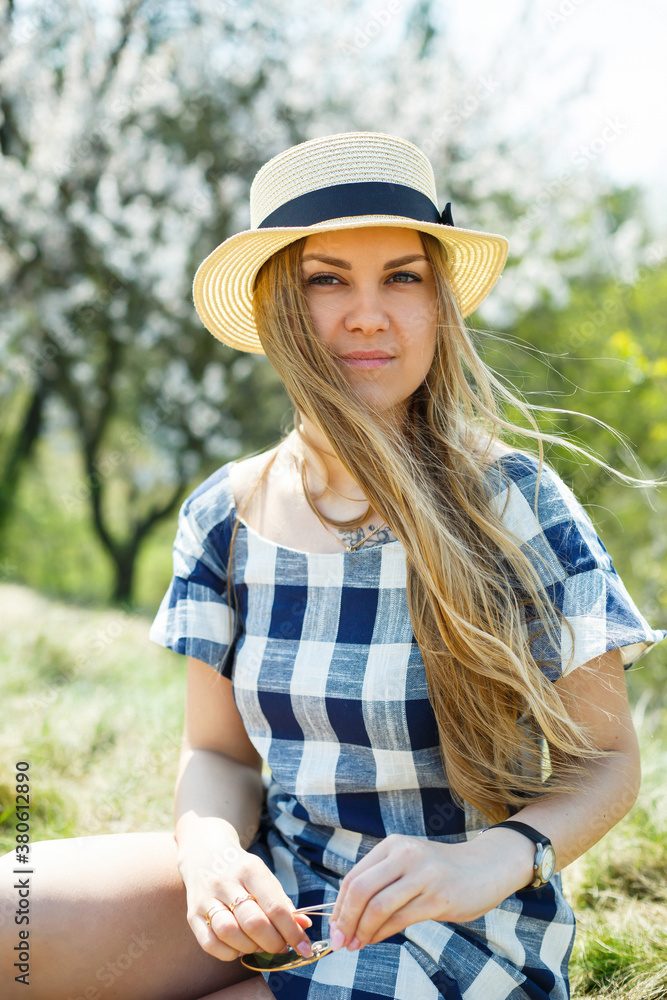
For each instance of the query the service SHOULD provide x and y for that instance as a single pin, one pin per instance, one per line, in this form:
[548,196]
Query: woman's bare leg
[251,989]
[107,921]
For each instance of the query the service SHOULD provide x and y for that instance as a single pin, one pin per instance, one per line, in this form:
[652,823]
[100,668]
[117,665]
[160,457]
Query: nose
[366,313]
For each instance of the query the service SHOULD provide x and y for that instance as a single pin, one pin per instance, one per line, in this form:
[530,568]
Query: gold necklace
[348,548]
[300,464]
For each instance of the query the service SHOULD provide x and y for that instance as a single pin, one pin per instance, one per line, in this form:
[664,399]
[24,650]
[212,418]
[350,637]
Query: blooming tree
[129,134]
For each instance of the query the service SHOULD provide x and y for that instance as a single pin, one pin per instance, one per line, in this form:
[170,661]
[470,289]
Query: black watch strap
[527,831]
[545,857]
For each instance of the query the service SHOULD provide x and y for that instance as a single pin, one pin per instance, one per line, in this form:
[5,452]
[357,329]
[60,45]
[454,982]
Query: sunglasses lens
[264,961]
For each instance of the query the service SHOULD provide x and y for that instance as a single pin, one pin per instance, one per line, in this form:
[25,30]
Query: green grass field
[97,711]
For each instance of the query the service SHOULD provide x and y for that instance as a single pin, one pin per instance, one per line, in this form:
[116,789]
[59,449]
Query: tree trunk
[124,555]
[20,451]
[125,560]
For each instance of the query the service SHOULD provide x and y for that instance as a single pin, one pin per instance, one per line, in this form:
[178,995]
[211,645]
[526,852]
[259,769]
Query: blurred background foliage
[129,135]
[130,132]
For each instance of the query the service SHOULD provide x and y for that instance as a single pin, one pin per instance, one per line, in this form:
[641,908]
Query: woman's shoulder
[535,504]
[245,476]
[213,494]
[507,466]
[228,488]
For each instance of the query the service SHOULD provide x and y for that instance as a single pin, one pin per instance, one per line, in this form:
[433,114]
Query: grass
[97,711]
[619,893]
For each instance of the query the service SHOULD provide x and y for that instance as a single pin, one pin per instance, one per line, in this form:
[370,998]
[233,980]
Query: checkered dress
[332,690]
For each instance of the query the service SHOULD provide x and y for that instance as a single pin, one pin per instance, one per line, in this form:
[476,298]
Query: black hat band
[341,201]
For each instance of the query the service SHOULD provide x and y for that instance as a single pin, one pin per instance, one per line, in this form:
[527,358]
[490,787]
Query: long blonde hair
[470,588]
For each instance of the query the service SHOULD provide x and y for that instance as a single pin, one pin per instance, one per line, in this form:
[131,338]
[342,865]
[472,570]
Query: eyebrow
[346,266]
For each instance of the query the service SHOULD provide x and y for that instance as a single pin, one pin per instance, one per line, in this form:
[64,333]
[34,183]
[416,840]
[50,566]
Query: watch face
[547,863]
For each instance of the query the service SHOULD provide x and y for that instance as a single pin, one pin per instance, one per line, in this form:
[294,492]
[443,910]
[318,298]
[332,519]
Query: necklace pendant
[349,548]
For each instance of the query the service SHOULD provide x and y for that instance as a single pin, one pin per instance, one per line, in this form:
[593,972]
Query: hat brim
[224,282]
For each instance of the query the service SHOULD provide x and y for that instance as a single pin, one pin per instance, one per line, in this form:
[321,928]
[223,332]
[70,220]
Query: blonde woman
[413,625]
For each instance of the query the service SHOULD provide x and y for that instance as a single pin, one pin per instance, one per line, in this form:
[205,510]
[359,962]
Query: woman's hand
[218,808]
[263,924]
[404,880]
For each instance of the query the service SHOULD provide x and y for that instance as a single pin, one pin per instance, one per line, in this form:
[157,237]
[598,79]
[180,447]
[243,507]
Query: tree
[98,213]
[128,139]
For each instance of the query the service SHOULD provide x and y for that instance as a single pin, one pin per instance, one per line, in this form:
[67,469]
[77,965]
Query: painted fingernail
[304,949]
[354,944]
[337,940]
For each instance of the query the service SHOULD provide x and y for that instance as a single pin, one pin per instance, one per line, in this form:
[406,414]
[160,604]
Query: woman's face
[372,297]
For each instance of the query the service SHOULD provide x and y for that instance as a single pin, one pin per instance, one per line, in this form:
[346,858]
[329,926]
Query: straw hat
[341,181]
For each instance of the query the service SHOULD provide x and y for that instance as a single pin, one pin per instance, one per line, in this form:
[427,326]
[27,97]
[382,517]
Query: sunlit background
[129,135]
[129,138]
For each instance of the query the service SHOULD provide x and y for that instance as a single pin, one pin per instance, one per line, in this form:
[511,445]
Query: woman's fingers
[225,928]
[379,908]
[249,912]
[370,898]
[370,860]
[395,907]
[271,921]
[379,889]
[260,924]
[397,922]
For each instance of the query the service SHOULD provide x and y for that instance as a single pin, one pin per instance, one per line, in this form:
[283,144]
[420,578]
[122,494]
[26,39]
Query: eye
[322,279]
[404,277]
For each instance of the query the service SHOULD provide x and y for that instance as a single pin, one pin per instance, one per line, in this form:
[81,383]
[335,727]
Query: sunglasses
[265,961]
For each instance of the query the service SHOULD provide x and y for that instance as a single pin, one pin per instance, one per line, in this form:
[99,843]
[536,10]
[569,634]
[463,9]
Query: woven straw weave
[339,159]
[223,284]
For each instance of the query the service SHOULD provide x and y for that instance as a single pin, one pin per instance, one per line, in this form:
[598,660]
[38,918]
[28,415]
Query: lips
[367,359]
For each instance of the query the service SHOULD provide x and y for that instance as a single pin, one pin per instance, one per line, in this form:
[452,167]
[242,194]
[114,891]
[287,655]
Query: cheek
[323,320]
[422,349]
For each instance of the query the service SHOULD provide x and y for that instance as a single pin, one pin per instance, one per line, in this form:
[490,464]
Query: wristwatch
[545,856]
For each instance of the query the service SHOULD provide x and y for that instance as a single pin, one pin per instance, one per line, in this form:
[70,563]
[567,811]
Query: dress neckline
[288,548]
[329,555]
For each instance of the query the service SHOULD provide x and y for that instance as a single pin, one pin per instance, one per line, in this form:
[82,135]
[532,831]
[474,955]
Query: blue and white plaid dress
[331,687]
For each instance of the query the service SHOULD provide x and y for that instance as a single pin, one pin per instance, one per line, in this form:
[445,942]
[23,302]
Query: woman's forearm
[218,801]
[576,821]
[218,806]
[573,821]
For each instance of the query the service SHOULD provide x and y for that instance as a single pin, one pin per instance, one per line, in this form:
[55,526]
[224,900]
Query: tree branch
[127,21]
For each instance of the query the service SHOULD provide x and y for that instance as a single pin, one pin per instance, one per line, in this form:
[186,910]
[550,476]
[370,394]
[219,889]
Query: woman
[400,612]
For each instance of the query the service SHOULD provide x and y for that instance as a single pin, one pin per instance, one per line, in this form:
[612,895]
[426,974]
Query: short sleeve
[574,567]
[195,617]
